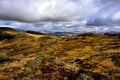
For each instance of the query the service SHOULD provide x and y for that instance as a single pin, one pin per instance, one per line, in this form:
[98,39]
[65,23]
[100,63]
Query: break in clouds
[69,15]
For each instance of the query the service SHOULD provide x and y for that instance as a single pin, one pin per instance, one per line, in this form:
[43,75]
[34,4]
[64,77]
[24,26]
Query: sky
[61,15]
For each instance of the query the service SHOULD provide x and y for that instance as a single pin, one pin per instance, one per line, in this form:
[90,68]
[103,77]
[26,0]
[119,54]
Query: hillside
[30,56]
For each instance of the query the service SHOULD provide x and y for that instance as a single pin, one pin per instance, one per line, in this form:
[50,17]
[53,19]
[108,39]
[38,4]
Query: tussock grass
[5,36]
[83,56]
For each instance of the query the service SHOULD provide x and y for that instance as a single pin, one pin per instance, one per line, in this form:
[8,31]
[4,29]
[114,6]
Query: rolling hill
[36,56]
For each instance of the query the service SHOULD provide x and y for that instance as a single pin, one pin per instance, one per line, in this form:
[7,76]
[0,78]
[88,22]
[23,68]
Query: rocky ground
[36,56]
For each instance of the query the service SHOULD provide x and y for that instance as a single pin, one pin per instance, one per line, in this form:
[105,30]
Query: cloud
[108,13]
[93,12]
[61,26]
[45,10]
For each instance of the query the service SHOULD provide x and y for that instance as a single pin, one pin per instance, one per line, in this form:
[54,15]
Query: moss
[37,63]
[116,59]
[115,71]
[83,76]
[5,57]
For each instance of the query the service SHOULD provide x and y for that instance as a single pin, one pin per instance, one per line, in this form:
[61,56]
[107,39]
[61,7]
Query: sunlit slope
[28,56]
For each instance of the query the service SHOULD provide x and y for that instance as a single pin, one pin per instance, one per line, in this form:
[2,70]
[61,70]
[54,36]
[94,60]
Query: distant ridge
[62,33]
[35,32]
[7,29]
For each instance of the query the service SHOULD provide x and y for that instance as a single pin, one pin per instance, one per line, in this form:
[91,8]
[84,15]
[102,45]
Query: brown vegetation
[43,57]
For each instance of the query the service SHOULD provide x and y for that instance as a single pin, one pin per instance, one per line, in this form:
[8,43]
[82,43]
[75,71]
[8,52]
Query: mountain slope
[28,56]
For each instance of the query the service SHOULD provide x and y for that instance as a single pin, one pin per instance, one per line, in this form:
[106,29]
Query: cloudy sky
[61,15]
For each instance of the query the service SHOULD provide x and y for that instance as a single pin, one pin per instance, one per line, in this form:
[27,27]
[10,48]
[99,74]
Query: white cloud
[92,12]
[38,10]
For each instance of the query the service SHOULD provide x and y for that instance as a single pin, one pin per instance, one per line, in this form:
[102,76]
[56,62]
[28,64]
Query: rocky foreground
[36,56]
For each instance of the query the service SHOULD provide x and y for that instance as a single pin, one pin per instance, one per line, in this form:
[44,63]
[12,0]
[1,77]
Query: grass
[5,36]
[79,56]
